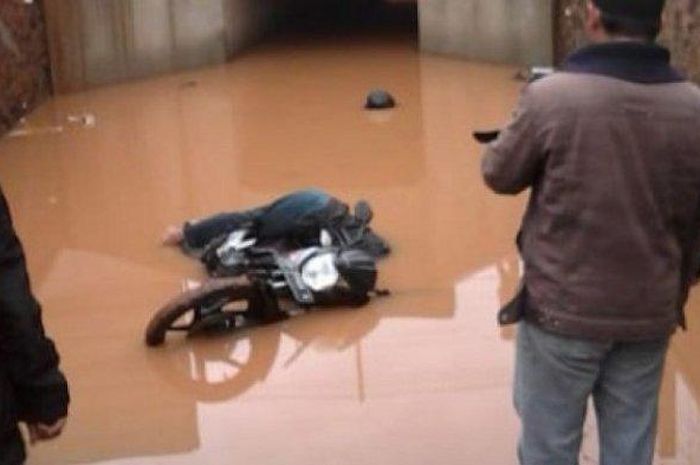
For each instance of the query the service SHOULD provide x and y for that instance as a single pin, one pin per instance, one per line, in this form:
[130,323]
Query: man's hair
[629,27]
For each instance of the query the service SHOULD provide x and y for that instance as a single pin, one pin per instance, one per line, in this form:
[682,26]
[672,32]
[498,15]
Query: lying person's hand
[42,432]
[173,235]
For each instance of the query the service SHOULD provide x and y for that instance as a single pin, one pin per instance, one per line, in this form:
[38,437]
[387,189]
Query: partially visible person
[297,216]
[32,388]
[271,221]
[610,148]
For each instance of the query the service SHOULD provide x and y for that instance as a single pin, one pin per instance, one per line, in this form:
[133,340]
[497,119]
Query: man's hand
[41,432]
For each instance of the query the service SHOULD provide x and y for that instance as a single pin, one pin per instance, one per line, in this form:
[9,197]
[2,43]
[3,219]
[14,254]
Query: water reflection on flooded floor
[423,376]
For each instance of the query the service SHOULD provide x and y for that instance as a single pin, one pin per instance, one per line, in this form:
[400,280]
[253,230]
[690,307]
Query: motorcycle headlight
[320,272]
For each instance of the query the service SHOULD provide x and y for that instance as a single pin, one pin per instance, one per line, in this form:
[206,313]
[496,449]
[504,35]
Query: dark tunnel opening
[331,18]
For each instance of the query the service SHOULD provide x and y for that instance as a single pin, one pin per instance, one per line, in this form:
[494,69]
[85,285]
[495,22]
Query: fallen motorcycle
[264,285]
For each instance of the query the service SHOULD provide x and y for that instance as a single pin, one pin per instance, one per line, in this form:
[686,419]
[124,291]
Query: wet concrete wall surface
[423,376]
[96,42]
[681,32]
[24,61]
[503,31]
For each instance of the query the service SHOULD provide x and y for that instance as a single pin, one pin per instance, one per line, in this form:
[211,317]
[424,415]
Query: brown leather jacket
[611,150]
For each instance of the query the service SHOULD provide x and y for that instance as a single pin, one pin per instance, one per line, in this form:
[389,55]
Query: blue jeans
[273,221]
[554,378]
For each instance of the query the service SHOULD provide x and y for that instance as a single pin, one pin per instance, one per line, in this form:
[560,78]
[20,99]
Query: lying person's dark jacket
[32,389]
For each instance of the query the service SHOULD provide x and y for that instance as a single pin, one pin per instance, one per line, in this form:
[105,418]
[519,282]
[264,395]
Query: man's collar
[639,62]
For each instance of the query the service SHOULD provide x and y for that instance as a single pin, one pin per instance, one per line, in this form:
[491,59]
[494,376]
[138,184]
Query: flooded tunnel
[231,103]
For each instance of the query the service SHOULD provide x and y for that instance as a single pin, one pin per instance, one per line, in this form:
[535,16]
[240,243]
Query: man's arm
[514,160]
[29,358]
[690,264]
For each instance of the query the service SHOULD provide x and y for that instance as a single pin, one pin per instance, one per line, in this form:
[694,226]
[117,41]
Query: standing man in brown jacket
[610,148]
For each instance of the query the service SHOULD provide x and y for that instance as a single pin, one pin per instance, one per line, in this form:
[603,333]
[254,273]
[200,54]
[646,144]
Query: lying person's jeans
[554,378]
[270,221]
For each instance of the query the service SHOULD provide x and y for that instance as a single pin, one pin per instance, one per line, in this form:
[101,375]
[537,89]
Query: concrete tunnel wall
[96,42]
[500,31]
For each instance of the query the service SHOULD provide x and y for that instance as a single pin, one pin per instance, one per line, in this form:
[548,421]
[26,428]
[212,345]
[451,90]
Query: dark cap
[641,10]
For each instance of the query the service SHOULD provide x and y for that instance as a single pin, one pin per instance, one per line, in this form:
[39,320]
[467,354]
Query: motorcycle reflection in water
[224,366]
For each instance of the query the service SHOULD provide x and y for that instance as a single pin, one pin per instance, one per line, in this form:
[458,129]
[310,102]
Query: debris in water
[87,120]
[38,131]
[533,73]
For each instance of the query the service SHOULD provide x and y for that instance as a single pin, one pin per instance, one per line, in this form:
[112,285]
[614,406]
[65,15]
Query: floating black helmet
[380,99]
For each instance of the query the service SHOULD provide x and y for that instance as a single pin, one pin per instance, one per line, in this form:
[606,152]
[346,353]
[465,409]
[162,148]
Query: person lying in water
[297,216]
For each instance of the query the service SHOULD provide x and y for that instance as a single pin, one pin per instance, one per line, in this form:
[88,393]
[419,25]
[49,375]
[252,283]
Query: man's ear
[594,22]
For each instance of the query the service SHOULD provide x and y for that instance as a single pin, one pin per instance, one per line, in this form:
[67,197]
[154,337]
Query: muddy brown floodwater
[421,377]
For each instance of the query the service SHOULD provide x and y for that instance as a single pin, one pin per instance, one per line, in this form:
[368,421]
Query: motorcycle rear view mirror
[363,212]
[326,239]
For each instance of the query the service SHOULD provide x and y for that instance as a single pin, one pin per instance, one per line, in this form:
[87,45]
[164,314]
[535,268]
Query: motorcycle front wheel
[217,301]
